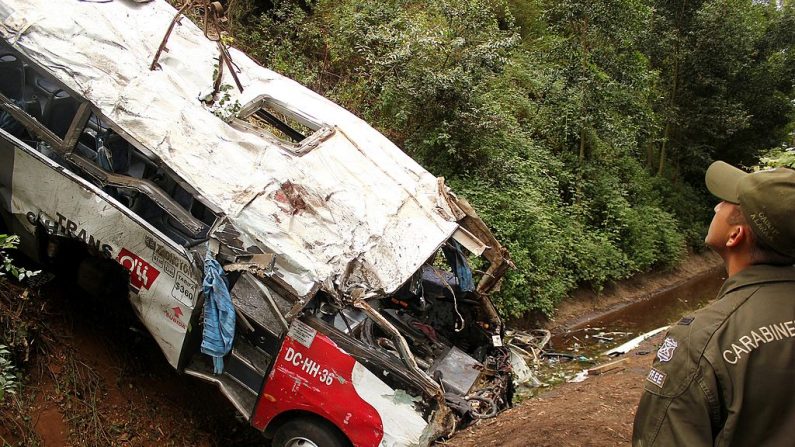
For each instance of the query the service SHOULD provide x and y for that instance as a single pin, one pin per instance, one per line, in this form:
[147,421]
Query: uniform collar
[758,274]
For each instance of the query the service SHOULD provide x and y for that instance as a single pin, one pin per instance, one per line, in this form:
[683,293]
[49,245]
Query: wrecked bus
[141,151]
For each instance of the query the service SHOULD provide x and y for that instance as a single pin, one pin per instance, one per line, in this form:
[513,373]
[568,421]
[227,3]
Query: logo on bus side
[141,273]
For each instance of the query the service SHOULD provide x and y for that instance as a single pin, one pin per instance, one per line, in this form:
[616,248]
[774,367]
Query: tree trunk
[583,134]
[661,167]
[584,92]
[672,101]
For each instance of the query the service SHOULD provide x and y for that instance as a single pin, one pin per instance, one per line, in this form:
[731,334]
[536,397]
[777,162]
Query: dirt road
[596,412]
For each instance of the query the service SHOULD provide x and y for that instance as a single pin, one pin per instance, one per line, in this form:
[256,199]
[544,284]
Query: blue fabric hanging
[456,259]
[219,314]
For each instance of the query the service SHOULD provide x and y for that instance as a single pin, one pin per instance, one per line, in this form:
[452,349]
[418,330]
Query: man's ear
[737,236]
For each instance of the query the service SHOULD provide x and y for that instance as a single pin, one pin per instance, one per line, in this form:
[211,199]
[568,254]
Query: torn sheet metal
[267,310]
[522,374]
[469,241]
[355,196]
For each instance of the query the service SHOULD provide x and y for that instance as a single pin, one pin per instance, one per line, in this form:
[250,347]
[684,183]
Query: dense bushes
[575,128]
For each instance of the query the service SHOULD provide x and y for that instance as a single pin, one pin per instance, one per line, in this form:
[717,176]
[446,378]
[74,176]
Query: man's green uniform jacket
[725,376]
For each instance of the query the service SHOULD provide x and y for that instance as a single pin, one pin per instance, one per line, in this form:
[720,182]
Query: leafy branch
[7,243]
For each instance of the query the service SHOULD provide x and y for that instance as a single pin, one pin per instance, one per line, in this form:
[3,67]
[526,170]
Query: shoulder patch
[666,351]
[656,377]
[685,321]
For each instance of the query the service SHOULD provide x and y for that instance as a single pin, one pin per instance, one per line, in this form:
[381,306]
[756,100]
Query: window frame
[65,147]
[320,131]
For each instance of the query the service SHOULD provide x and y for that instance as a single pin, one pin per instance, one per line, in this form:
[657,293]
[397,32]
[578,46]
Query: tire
[308,432]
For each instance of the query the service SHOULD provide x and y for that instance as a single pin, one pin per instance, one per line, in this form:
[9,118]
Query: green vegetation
[580,130]
[9,332]
[7,263]
[8,378]
[780,157]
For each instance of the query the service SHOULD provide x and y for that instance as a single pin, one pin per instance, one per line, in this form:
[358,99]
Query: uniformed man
[725,375]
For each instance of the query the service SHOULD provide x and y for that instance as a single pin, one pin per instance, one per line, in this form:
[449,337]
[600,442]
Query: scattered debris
[559,355]
[607,337]
[522,373]
[579,377]
[632,344]
[595,371]
[530,344]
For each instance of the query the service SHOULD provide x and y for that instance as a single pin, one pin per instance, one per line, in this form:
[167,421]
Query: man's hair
[761,253]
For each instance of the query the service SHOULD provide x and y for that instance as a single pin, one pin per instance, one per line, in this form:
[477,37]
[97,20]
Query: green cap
[766,198]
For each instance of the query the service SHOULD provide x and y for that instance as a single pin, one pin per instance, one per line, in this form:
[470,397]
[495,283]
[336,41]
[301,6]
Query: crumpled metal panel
[250,300]
[354,199]
[459,371]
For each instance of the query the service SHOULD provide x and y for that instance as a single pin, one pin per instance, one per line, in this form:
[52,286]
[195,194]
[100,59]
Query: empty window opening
[139,184]
[281,125]
[36,94]
[277,122]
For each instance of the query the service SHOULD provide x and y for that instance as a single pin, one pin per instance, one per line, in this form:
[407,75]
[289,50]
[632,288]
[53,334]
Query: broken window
[277,122]
[42,113]
[144,187]
[11,83]
[35,108]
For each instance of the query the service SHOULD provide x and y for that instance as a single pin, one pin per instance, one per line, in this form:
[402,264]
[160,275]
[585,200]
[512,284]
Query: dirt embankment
[92,381]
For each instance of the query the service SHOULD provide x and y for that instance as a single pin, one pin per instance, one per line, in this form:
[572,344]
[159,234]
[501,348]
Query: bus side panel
[6,169]
[163,284]
[312,374]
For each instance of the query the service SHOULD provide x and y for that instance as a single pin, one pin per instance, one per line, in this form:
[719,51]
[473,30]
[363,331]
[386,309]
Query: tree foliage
[579,130]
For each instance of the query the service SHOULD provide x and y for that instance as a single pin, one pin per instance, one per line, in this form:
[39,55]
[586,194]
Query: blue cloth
[456,259]
[219,314]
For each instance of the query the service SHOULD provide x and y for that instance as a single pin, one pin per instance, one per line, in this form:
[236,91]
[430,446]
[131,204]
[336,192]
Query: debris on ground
[526,348]
[579,377]
[601,369]
[634,343]
[597,412]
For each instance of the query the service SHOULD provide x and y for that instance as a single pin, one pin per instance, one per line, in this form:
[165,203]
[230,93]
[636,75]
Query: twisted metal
[212,13]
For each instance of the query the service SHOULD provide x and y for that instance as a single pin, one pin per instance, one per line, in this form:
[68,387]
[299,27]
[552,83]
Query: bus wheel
[308,432]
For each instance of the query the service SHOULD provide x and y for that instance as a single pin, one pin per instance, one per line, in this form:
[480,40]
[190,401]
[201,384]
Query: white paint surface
[39,188]
[403,425]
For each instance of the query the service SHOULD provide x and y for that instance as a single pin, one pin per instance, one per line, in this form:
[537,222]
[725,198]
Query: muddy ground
[93,378]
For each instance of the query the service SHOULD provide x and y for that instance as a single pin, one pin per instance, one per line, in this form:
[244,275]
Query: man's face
[720,228]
